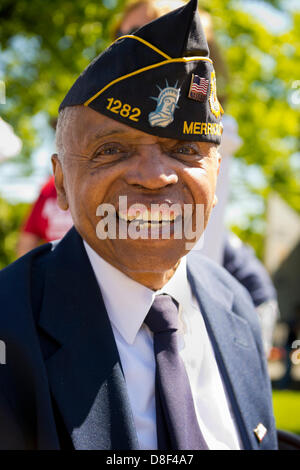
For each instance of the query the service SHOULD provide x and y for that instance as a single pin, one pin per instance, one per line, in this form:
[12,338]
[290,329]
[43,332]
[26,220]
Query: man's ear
[59,183]
[215,201]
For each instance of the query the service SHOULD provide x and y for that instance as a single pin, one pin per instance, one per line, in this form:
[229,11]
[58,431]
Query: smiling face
[105,159]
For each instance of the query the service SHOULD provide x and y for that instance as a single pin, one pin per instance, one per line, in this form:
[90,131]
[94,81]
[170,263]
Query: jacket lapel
[237,356]
[85,372]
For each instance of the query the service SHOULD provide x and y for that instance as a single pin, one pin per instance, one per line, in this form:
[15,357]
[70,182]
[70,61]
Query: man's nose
[151,169]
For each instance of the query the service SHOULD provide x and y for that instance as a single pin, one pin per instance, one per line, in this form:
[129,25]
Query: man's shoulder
[213,273]
[223,287]
[22,283]
[22,265]
[16,282]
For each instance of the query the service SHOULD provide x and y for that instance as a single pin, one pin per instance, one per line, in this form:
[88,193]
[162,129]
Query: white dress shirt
[127,303]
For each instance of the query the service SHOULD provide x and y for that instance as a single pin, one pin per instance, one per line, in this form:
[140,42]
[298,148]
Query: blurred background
[44,45]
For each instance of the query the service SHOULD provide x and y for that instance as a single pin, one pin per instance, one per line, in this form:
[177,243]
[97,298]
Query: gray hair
[65,118]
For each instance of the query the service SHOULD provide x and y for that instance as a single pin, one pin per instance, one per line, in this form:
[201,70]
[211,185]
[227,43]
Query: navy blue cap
[159,80]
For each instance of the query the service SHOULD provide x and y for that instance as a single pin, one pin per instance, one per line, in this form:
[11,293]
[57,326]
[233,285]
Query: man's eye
[110,152]
[186,150]
[110,149]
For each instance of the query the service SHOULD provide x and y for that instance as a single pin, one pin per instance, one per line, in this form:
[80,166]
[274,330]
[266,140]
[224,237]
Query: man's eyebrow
[199,144]
[102,133]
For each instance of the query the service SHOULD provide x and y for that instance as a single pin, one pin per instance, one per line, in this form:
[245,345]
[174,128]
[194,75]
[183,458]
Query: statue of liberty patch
[166,105]
[214,104]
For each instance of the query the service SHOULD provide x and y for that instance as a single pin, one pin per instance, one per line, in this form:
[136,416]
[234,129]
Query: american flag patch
[198,88]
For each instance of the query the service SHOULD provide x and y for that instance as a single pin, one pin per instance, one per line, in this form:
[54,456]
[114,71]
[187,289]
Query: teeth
[133,217]
[149,224]
[145,216]
[148,216]
[123,216]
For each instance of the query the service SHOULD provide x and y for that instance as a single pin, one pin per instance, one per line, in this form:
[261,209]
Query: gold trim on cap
[132,36]
[144,69]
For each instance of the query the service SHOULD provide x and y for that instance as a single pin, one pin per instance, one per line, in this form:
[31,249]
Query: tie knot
[163,314]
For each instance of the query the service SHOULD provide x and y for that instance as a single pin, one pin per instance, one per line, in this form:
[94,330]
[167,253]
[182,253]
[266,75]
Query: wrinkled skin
[104,159]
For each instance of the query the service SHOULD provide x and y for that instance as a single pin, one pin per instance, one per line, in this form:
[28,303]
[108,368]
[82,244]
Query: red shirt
[46,220]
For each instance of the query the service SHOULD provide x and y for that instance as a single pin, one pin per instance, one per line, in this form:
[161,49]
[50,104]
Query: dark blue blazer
[62,385]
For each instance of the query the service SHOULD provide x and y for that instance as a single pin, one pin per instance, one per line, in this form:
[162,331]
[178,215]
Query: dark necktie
[177,425]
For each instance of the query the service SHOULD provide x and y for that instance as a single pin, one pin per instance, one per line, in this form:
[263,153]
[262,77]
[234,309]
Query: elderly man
[115,339]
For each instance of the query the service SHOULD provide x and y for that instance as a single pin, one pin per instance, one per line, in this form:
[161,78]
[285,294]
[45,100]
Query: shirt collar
[127,302]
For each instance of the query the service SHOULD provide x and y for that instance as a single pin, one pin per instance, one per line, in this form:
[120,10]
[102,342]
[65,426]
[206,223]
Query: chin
[149,255]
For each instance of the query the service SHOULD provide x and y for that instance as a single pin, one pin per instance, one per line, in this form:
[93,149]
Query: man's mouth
[152,220]
[150,217]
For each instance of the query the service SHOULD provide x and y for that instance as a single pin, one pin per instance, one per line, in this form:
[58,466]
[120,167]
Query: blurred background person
[240,260]
[46,221]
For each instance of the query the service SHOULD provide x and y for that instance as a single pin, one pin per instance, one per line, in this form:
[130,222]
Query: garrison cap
[159,80]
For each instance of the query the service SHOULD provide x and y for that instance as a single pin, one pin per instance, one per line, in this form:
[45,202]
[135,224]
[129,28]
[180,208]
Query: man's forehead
[86,127]
[85,122]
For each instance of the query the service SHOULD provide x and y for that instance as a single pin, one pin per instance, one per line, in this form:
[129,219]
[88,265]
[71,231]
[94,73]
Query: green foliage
[252,237]
[263,69]
[286,403]
[45,46]
[11,217]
